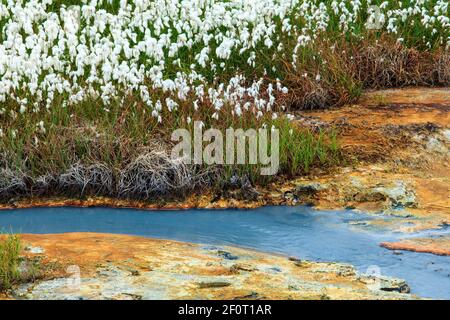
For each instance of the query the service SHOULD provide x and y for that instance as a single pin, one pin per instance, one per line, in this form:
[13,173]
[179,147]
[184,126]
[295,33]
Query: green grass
[99,137]
[14,268]
[301,149]
[10,248]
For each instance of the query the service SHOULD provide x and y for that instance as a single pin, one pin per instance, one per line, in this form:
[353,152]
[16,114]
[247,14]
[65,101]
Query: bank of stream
[303,232]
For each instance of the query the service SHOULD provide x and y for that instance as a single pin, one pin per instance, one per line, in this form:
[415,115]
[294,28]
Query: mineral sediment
[105,266]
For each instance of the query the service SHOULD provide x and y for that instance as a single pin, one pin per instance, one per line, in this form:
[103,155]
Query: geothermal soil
[106,266]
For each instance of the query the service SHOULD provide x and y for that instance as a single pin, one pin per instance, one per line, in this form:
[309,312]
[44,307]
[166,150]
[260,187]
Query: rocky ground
[128,267]
[435,245]
[396,149]
[399,140]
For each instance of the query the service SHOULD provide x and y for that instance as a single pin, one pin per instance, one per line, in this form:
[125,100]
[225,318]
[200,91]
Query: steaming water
[296,231]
